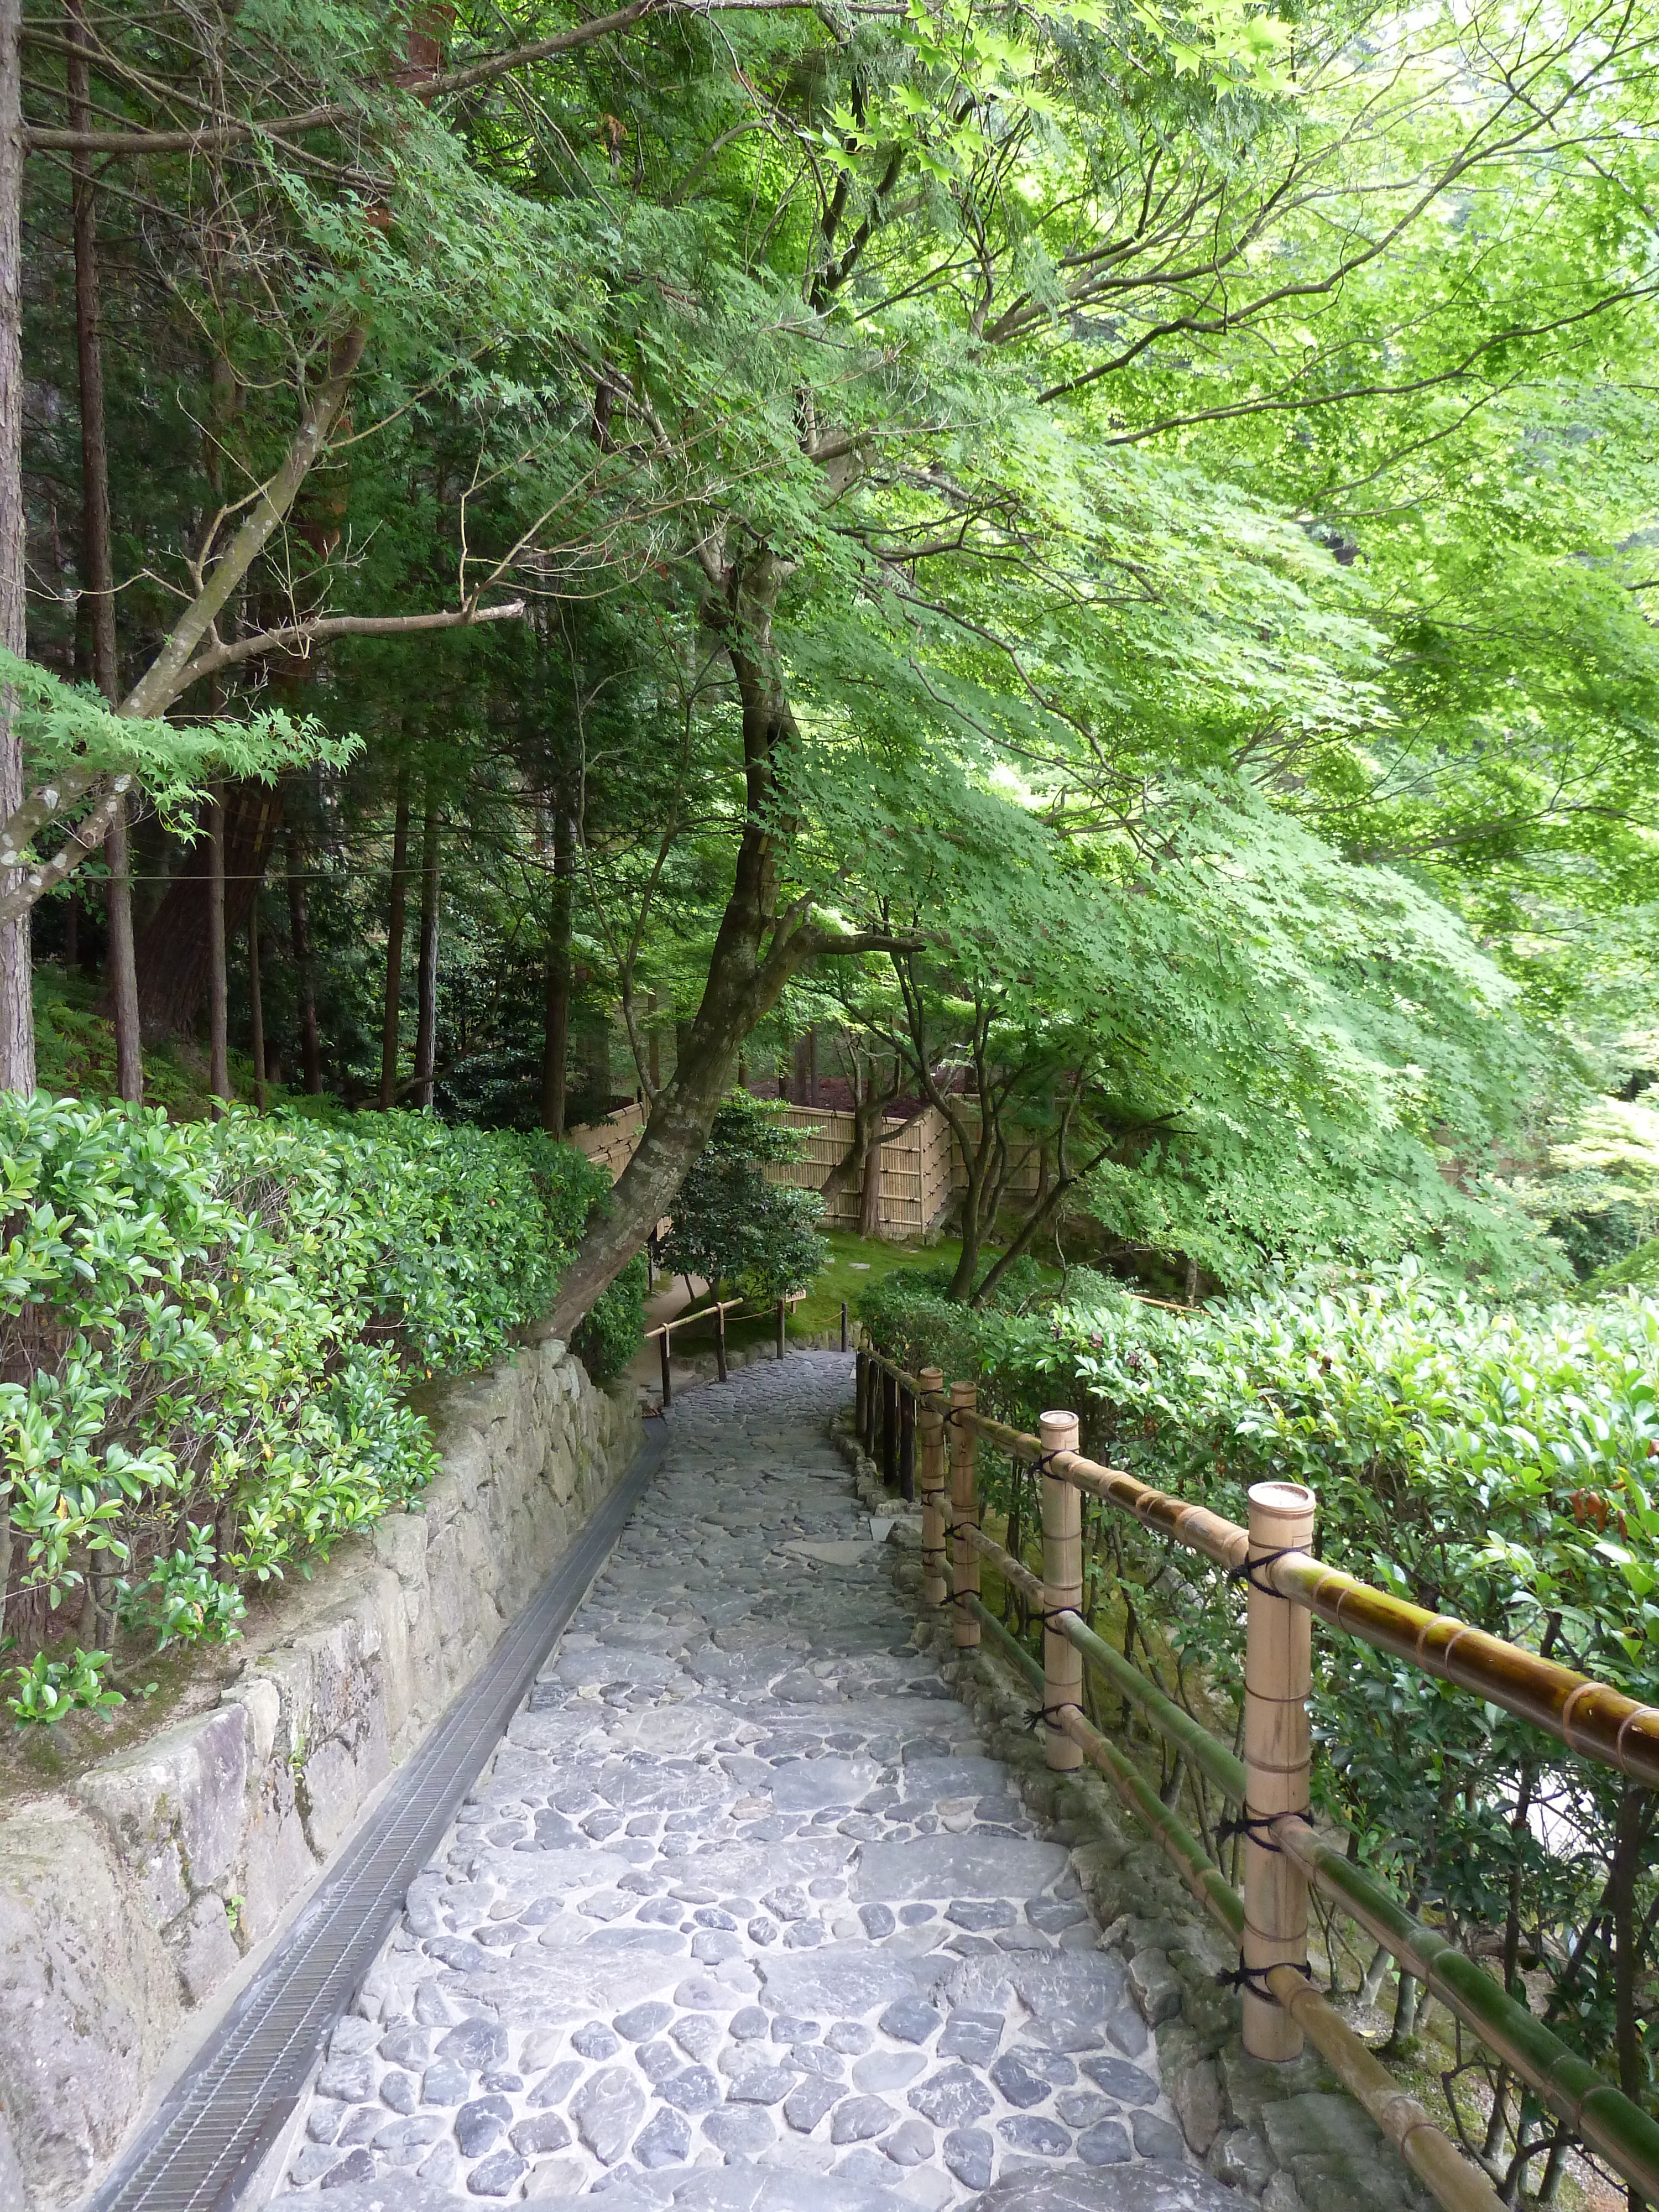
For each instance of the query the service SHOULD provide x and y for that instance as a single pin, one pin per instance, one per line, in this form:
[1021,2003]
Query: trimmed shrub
[207,1333]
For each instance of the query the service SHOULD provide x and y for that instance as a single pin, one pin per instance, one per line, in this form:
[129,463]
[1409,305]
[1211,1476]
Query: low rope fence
[903,1421]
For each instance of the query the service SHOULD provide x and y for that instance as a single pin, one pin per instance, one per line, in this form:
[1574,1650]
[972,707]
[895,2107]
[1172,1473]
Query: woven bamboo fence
[920,1167]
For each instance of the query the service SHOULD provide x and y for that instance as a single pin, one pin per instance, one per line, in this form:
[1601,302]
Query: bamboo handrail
[1455,2184]
[1591,1717]
[1607,2121]
[697,1313]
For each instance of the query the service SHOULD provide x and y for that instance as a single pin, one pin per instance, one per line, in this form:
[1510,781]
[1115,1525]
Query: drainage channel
[207,2139]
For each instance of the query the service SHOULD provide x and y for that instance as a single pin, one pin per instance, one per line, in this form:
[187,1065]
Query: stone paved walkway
[740,1891]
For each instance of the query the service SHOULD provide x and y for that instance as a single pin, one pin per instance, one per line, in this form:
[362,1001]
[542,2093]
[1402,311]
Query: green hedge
[1499,1465]
[207,1334]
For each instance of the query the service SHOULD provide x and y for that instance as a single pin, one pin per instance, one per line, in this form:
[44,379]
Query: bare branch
[299,637]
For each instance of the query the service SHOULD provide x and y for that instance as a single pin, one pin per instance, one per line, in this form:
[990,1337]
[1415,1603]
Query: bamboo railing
[1283,1853]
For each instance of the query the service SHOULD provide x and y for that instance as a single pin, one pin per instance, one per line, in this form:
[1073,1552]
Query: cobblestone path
[741,1916]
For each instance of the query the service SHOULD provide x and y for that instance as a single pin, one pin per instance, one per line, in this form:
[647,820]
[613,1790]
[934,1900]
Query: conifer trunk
[218,1010]
[391,1018]
[555,1042]
[256,1006]
[426,1025]
[97,565]
[16,1003]
[299,928]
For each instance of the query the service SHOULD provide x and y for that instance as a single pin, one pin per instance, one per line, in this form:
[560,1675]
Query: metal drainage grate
[210,2134]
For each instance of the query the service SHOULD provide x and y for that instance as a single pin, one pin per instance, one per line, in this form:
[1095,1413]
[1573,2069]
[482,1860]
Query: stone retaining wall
[129,1898]
[1289,2136]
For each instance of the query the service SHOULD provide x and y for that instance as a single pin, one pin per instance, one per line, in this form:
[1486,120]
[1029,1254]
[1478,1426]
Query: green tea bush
[207,1334]
[1499,1465]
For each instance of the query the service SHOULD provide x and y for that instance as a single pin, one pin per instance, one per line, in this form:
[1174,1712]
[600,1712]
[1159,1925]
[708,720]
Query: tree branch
[86,838]
[298,636]
[442,83]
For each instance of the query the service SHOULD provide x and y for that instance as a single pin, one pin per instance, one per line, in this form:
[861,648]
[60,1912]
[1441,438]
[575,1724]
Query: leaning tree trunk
[16,1003]
[746,978]
[98,566]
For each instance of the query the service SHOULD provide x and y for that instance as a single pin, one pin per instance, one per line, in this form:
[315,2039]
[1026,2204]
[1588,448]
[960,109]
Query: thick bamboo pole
[1608,2122]
[964,1513]
[1062,1593]
[889,1429]
[1591,1717]
[930,1429]
[1455,2184]
[1277,1750]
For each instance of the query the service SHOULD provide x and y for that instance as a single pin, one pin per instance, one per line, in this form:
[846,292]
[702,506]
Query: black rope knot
[1047,1716]
[1253,1826]
[1246,1572]
[1255,1978]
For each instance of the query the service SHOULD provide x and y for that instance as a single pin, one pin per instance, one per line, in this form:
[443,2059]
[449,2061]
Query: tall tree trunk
[392,1012]
[299,929]
[255,1005]
[870,1182]
[97,563]
[218,1011]
[16,1003]
[173,952]
[426,1020]
[752,962]
[555,1037]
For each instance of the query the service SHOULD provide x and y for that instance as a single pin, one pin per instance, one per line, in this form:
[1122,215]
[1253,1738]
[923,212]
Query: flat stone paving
[741,1916]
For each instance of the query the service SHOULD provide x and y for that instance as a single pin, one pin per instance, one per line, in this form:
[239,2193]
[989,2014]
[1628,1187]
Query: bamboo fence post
[860,1384]
[906,1471]
[667,1379]
[1062,1592]
[889,1424]
[843,1324]
[719,1338]
[930,1425]
[965,1515]
[780,1315]
[1278,1660]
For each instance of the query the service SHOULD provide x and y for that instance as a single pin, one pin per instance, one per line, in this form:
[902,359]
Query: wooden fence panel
[916,1179]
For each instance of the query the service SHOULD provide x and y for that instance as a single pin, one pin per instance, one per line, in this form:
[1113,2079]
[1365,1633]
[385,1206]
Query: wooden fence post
[843,1324]
[907,1446]
[930,1426]
[1062,1592]
[720,1339]
[890,1425]
[667,1379]
[782,1310]
[1278,1658]
[860,1384]
[964,1514]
